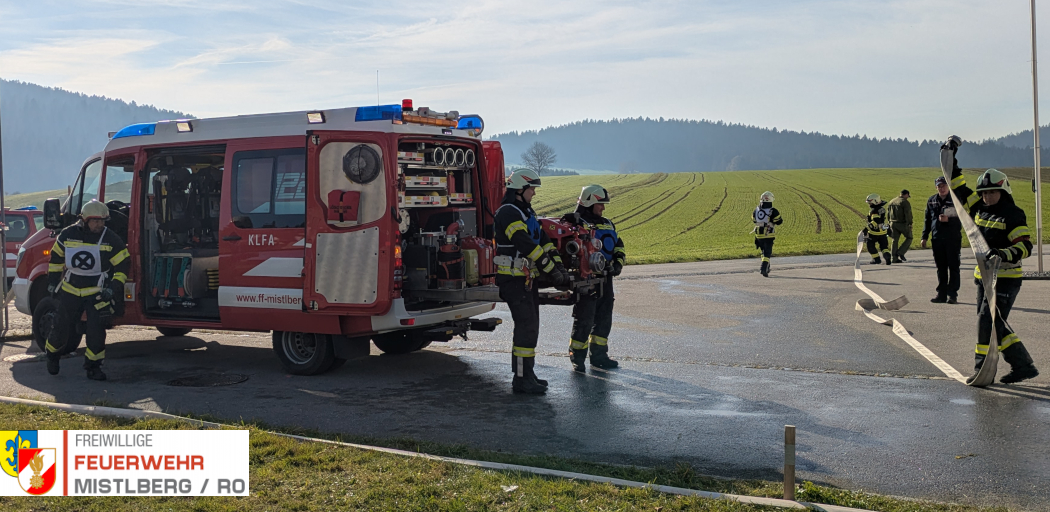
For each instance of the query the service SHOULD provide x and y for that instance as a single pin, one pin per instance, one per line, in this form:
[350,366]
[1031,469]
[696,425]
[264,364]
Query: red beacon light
[406,105]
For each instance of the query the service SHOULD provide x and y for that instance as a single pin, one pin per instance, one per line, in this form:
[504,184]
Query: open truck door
[351,225]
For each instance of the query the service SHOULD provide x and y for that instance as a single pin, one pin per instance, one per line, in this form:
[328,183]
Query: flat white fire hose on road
[496,466]
[869,305]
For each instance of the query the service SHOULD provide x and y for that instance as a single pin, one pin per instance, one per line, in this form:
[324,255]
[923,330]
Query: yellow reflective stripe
[536,253]
[577,345]
[55,267]
[514,227]
[78,243]
[93,356]
[958,181]
[524,352]
[982,350]
[1008,340]
[120,276]
[57,249]
[548,268]
[986,223]
[510,271]
[119,257]
[79,292]
[1011,273]
[765,259]
[50,347]
[605,226]
[1019,232]
[101,305]
[971,200]
[548,247]
[764,236]
[598,340]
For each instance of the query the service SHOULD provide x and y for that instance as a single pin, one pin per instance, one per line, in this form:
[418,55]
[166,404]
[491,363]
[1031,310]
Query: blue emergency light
[471,122]
[135,130]
[378,113]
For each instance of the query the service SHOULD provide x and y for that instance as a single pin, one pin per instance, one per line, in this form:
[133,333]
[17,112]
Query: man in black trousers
[942,223]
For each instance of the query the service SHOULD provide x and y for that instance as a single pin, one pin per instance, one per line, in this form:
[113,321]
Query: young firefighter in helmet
[593,315]
[765,218]
[522,249]
[877,229]
[86,273]
[1005,228]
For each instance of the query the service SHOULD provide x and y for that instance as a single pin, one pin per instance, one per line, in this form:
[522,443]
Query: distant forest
[48,132]
[675,145]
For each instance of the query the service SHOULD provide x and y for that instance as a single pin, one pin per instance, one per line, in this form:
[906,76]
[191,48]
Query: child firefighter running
[765,218]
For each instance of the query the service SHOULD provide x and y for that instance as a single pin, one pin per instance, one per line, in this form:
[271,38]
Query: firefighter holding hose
[593,315]
[86,274]
[522,250]
[1005,228]
[766,218]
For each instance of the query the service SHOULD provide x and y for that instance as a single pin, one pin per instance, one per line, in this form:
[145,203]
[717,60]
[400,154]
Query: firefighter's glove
[52,290]
[617,267]
[1000,253]
[559,275]
[106,295]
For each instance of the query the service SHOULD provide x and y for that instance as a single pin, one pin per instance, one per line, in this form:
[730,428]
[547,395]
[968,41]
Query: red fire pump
[580,251]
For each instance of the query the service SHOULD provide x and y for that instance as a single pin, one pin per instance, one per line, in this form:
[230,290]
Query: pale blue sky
[915,68]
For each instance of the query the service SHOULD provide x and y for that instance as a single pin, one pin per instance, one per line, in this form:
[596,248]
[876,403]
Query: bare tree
[539,157]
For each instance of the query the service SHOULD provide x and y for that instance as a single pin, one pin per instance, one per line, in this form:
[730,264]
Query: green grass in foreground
[292,475]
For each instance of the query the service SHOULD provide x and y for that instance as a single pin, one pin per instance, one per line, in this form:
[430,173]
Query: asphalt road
[715,360]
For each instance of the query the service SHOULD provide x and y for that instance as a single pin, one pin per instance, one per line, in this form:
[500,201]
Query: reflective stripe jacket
[763,231]
[612,244]
[877,220]
[518,234]
[1003,225]
[114,253]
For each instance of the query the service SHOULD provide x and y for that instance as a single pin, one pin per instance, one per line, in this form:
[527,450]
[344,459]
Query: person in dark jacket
[523,250]
[766,219]
[1005,228]
[86,275]
[877,229]
[593,315]
[899,215]
[942,227]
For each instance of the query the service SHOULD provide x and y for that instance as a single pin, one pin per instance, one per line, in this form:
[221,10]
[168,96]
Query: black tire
[174,331]
[396,343]
[303,353]
[43,318]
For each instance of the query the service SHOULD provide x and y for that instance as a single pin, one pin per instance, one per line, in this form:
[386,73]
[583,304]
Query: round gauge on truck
[361,164]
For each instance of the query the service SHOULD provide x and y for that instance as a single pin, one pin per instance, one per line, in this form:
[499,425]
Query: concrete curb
[140,414]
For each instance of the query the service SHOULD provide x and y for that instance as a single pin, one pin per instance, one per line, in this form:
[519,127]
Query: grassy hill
[706,216]
[32,198]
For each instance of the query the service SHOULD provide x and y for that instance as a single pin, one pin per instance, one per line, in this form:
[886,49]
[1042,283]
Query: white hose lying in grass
[497,466]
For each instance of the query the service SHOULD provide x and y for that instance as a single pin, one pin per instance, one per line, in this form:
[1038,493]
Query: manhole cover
[208,380]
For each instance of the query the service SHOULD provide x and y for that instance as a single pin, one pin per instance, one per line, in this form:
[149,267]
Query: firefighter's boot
[875,260]
[525,380]
[765,269]
[94,370]
[579,359]
[600,354]
[1021,365]
[52,362]
[887,256]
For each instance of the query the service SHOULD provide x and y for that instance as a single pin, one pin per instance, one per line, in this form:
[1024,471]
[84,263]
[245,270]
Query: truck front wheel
[303,353]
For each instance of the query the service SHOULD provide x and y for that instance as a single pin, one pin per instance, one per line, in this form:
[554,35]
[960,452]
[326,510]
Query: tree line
[676,145]
[49,132]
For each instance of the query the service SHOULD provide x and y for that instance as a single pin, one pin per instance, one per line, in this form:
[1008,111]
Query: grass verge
[290,475]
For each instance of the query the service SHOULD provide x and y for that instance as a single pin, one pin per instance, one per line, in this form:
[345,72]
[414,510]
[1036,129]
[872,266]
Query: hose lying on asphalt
[876,302]
[497,466]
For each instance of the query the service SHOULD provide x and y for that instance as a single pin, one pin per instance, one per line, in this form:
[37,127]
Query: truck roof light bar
[136,130]
[471,122]
[378,113]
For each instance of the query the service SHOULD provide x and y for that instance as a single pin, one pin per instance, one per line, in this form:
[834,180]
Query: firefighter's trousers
[592,322]
[766,246]
[1010,345]
[884,246]
[897,233]
[67,315]
[524,307]
[946,256]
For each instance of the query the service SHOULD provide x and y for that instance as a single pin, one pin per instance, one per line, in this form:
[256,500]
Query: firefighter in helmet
[593,315]
[522,250]
[1005,227]
[766,218]
[86,274]
[877,229]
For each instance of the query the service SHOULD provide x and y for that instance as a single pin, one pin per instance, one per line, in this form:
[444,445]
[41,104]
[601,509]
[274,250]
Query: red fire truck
[330,228]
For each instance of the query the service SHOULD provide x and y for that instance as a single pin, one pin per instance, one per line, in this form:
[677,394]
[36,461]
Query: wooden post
[789,462]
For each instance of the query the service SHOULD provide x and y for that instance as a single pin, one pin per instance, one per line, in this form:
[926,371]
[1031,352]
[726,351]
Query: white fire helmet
[592,195]
[766,197]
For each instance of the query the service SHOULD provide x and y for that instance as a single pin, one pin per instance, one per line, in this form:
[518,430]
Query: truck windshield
[86,187]
[118,179]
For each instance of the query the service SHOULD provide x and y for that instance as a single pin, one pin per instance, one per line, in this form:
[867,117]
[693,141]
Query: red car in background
[21,224]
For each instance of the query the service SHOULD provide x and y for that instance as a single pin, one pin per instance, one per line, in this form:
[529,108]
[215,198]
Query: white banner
[124,462]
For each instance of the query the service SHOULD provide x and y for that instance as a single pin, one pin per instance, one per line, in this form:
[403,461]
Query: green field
[32,198]
[707,216]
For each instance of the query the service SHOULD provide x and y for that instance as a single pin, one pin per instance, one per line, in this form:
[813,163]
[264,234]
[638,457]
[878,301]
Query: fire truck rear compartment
[180,233]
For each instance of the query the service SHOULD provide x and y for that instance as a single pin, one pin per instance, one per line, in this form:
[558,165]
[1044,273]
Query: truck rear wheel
[303,353]
[174,331]
[398,343]
[43,321]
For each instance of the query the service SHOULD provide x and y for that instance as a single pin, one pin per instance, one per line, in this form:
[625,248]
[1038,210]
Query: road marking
[877,302]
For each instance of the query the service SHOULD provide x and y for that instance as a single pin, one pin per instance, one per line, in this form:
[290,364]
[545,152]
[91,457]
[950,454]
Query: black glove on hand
[52,290]
[1001,254]
[107,294]
[617,267]
[952,143]
[559,275]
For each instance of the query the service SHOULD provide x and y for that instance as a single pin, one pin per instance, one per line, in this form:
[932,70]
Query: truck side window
[86,187]
[270,187]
